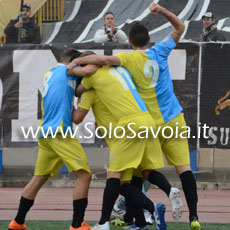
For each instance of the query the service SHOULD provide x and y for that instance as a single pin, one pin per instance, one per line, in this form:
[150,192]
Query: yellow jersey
[116,91]
[103,117]
[150,72]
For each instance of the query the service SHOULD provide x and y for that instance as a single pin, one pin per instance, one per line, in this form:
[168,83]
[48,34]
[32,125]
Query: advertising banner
[215,95]
[21,78]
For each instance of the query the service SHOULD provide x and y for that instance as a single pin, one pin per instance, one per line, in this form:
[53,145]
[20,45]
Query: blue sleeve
[78,80]
[165,47]
[75,78]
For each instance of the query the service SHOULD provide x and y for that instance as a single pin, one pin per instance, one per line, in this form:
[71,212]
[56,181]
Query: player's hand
[18,25]
[155,8]
[112,30]
[70,68]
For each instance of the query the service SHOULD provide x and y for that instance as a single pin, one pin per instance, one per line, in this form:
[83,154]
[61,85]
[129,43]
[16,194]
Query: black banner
[215,95]
[21,74]
[187,90]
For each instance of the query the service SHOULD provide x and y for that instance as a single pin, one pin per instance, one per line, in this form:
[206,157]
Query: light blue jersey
[57,98]
[167,100]
[150,73]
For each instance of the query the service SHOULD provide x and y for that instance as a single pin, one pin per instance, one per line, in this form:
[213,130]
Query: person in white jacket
[110,33]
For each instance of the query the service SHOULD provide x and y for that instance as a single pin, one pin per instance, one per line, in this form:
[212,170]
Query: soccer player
[53,153]
[122,109]
[103,118]
[150,72]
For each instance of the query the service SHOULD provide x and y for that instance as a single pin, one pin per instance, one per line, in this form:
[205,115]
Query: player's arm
[172,18]
[84,104]
[82,71]
[78,115]
[80,90]
[94,59]
[86,83]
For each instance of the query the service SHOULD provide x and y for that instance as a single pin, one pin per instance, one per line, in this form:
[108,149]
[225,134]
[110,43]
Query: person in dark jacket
[210,31]
[29,31]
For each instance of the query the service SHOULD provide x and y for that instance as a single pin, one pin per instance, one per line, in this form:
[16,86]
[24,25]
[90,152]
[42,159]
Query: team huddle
[129,88]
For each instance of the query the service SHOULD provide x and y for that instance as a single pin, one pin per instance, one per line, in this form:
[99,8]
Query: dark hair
[109,13]
[139,35]
[69,55]
[87,53]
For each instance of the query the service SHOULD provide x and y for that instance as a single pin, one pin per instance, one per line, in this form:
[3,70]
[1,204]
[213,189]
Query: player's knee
[40,180]
[182,168]
[83,175]
[88,177]
[116,175]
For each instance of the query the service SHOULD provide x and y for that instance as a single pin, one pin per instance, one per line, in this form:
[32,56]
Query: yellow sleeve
[125,59]
[87,99]
[88,82]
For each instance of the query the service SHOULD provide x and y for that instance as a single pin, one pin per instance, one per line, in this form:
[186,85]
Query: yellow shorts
[53,153]
[152,159]
[175,149]
[127,154]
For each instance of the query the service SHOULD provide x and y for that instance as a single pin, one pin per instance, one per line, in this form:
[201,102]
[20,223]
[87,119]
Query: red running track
[56,204]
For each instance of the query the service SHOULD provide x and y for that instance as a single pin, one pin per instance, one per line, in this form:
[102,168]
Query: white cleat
[148,218]
[118,211]
[176,202]
[104,226]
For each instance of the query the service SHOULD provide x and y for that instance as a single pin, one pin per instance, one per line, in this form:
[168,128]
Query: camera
[108,29]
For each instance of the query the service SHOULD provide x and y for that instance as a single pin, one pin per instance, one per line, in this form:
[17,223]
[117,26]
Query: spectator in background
[109,33]
[29,31]
[210,31]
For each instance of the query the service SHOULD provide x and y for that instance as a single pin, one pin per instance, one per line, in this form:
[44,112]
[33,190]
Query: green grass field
[64,225]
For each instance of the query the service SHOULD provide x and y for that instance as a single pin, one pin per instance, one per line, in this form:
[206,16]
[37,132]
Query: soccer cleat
[195,224]
[120,223]
[104,226]
[176,202]
[118,211]
[15,226]
[159,216]
[83,226]
[134,227]
[148,218]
